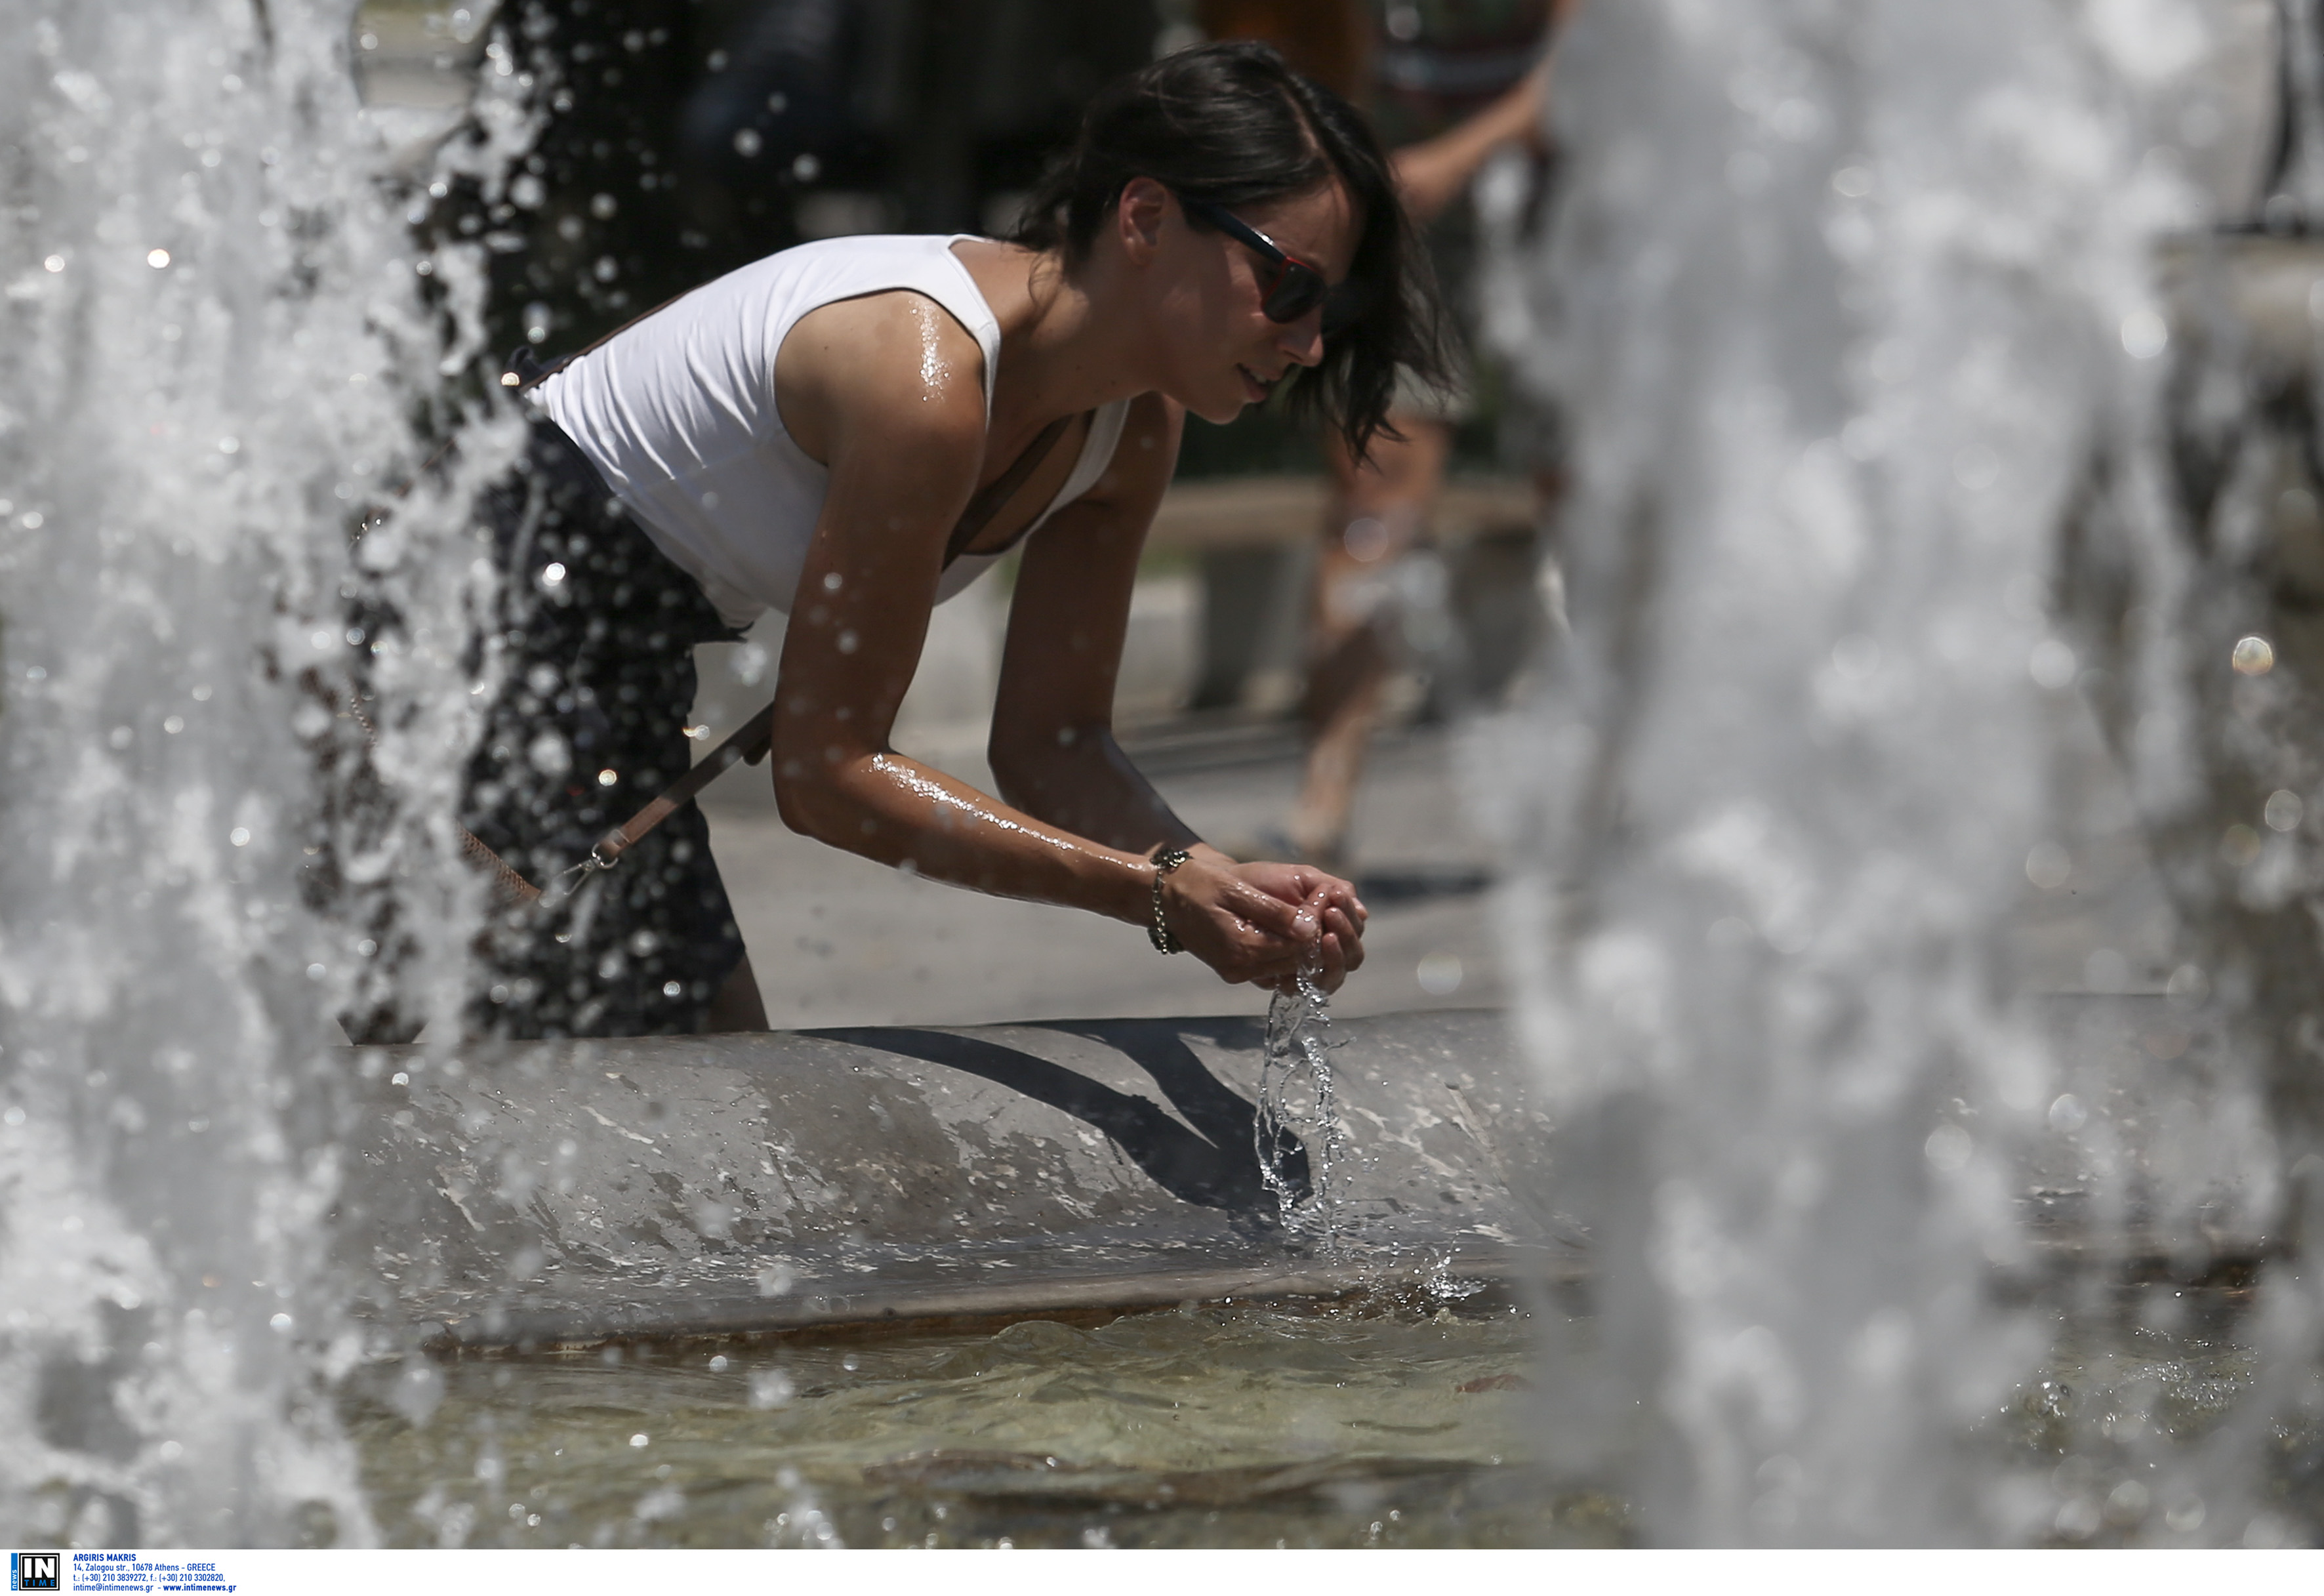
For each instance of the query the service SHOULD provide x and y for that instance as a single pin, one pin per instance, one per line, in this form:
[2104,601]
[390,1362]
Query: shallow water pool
[1226,1425]
[1241,1425]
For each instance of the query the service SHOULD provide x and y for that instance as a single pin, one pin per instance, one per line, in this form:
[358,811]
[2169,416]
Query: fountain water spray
[221,344]
[1845,302]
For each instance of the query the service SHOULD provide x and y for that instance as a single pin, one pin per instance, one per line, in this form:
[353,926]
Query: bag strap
[524,382]
[987,505]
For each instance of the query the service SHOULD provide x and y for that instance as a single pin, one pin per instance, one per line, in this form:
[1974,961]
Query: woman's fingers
[1263,924]
[1300,883]
[1238,929]
[1264,912]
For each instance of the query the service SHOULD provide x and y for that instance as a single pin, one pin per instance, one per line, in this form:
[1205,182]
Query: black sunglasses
[1294,287]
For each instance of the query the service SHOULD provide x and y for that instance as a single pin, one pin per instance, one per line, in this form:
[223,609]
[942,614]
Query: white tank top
[677,413]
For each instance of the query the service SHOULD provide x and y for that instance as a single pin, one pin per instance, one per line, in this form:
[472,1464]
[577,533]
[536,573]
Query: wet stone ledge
[561,1194]
[564,1194]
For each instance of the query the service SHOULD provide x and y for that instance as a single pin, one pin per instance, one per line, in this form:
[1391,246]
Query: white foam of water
[213,351]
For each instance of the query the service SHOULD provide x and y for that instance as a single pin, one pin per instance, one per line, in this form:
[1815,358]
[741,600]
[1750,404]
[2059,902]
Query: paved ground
[836,940]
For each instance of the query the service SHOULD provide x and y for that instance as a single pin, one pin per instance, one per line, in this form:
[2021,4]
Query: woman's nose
[1302,340]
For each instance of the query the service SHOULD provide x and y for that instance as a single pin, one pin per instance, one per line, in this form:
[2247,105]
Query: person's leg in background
[1375,514]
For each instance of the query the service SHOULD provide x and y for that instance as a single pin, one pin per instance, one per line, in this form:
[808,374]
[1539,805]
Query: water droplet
[280,1324]
[2283,811]
[157,258]
[239,837]
[2052,663]
[2047,866]
[1948,1148]
[2144,334]
[54,263]
[2254,656]
[1977,468]
[640,1439]
[1856,657]
[2067,1114]
[1439,974]
[608,777]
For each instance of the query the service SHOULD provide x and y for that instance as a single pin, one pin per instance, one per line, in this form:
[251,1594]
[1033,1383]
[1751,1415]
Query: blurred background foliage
[683,138]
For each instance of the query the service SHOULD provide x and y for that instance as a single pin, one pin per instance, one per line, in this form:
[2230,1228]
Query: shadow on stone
[1392,886]
[1216,1168]
[1227,1119]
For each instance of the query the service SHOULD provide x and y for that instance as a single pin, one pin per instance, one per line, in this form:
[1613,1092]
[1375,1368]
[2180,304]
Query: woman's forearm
[1090,787]
[892,808]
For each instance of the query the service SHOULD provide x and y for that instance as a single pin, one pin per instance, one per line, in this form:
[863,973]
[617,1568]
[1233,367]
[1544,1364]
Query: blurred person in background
[1450,84]
[851,431]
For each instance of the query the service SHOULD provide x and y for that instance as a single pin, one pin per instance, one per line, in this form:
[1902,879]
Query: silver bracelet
[1165,860]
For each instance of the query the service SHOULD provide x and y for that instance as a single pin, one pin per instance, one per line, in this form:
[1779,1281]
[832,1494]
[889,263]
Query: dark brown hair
[1231,125]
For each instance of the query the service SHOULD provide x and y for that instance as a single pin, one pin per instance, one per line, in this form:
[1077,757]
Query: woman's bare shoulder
[891,366]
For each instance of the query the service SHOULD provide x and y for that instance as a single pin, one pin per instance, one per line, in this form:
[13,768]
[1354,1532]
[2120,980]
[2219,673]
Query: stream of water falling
[1304,1154]
[1853,309]
[219,341]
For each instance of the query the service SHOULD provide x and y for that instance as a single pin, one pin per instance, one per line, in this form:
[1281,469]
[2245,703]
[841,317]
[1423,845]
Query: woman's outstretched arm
[901,430]
[1053,750]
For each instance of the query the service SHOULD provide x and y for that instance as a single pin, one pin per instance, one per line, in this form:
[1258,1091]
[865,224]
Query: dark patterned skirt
[597,629]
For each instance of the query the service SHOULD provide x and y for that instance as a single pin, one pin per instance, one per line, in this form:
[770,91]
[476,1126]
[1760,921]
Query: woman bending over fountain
[852,432]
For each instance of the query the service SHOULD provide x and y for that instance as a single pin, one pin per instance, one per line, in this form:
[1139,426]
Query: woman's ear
[1138,217]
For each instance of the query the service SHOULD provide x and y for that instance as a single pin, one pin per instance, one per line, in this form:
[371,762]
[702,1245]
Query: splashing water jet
[220,345]
[1860,316]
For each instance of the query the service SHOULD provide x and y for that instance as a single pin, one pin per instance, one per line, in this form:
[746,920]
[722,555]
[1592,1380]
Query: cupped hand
[1262,922]
[1340,915]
